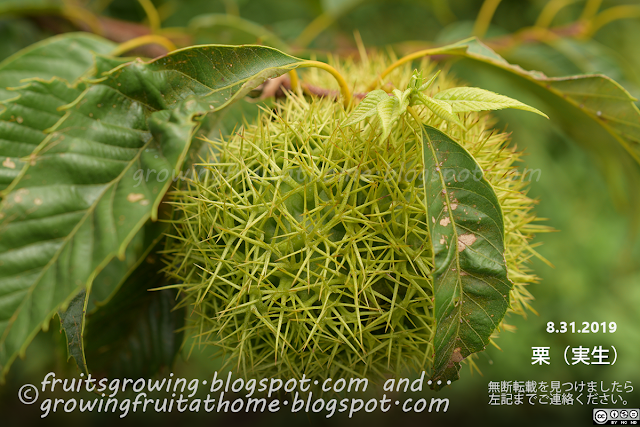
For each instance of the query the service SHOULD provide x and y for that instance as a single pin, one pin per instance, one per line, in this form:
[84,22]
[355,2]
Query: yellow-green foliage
[305,249]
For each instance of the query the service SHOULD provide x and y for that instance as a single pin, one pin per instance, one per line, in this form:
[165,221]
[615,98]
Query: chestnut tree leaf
[606,112]
[101,173]
[71,321]
[466,227]
[592,109]
[25,119]
[466,99]
[67,57]
[367,107]
[440,109]
[111,278]
[33,86]
[388,112]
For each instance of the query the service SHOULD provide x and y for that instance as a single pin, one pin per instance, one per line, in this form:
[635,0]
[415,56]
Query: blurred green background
[581,191]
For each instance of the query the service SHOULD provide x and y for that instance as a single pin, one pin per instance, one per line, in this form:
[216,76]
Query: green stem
[295,82]
[612,14]
[152,14]
[414,114]
[314,29]
[484,17]
[550,10]
[411,57]
[344,87]
[590,9]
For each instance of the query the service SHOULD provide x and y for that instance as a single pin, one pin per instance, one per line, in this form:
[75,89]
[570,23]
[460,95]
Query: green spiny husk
[304,248]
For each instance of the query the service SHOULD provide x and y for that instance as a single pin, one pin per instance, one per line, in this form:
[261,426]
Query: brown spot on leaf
[454,206]
[134,197]
[445,221]
[465,240]
[456,357]
[8,164]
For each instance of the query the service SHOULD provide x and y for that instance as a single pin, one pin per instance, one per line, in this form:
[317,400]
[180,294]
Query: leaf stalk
[344,87]
[413,56]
